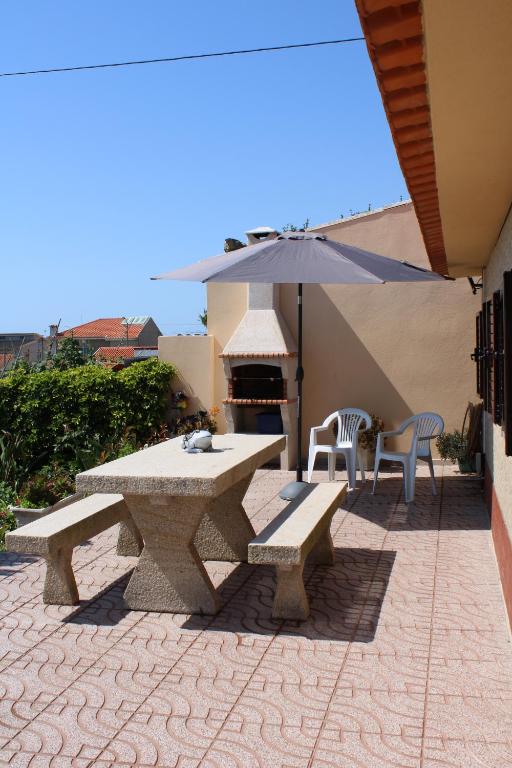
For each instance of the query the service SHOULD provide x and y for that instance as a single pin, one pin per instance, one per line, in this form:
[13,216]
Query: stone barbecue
[259,365]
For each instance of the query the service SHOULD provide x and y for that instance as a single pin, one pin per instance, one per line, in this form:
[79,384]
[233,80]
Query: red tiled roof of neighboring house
[394,35]
[105,328]
[114,353]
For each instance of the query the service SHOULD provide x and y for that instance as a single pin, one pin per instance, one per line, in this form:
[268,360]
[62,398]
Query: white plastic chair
[349,422]
[425,427]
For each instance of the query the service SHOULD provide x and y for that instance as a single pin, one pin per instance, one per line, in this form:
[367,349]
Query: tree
[203,317]
[69,355]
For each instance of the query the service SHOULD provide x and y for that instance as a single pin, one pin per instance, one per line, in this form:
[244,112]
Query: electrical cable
[190,57]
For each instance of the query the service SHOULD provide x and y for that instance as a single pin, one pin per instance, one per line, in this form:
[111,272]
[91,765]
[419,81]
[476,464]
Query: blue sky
[111,176]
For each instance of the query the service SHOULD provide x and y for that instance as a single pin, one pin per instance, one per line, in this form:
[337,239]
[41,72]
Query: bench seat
[56,535]
[301,530]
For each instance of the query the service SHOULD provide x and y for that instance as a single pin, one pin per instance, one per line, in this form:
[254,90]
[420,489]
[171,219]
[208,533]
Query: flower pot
[465,465]
[26,515]
[367,458]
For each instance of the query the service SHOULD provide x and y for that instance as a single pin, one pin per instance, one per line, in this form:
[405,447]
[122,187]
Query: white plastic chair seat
[335,448]
[425,427]
[394,455]
[349,421]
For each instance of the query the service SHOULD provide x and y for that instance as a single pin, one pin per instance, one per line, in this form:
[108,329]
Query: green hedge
[91,400]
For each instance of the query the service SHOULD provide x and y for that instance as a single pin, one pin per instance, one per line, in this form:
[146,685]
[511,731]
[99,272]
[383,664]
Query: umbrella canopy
[301,257]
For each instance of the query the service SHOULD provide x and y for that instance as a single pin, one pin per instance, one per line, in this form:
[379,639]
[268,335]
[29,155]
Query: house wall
[193,358]
[392,349]
[149,335]
[498,465]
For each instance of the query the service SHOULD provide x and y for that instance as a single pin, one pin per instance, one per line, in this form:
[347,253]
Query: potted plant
[49,489]
[368,442]
[454,446]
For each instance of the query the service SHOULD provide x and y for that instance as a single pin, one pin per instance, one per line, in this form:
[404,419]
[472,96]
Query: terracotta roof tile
[114,353]
[394,35]
[105,328]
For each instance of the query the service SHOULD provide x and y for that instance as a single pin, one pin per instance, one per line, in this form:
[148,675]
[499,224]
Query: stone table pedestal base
[170,575]
[225,530]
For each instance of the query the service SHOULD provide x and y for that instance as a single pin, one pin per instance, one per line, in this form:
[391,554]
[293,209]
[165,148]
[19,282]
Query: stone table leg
[225,530]
[129,541]
[169,576]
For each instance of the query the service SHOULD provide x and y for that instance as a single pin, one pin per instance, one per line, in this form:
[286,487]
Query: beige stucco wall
[193,358]
[391,349]
[227,303]
[499,464]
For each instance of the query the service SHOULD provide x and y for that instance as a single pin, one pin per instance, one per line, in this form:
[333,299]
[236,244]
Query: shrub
[94,403]
[453,446]
[200,420]
[46,487]
[7,523]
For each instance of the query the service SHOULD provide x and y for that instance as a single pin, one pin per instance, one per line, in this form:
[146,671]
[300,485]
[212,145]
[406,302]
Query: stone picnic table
[188,508]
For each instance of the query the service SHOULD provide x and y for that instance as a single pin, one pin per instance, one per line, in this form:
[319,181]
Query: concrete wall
[500,465]
[149,334]
[227,303]
[193,358]
[391,349]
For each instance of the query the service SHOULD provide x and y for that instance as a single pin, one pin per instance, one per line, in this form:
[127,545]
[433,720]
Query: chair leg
[375,473]
[409,480]
[361,467]
[432,476]
[331,465]
[311,462]
[350,460]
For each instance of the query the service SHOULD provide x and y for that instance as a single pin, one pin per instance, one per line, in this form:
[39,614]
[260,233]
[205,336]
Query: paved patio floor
[405,661]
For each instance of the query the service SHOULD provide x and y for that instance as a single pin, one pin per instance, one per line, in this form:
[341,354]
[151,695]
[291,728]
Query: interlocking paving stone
[404,662]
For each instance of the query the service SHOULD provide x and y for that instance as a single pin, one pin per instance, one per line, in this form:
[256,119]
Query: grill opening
[257,381]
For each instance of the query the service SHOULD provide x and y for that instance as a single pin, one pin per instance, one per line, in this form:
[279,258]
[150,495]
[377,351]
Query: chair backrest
[427,425]
[349,422]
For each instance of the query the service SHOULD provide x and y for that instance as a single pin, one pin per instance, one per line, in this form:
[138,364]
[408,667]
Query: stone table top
[167,469]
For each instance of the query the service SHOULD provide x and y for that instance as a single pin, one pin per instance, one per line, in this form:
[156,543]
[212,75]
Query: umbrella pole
[299,376]
[295,488]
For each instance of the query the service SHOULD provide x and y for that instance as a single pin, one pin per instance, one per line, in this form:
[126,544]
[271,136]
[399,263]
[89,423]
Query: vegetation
[45,410]
[453,446]
[203,317]
[368,438]
[199,420]
[61,420]
[295,228]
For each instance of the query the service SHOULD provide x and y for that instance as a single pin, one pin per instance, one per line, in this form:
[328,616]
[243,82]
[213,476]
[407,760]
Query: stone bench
[56,535]
[302,529]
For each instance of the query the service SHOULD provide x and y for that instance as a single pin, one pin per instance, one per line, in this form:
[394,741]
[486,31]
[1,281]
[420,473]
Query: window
[497,343]
[487,356]
[507,361]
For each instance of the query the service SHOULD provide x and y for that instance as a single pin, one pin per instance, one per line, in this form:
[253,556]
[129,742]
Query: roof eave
[394,38]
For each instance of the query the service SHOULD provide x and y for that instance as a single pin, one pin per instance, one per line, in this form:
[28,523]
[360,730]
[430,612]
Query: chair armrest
[394,433]
[383,435]
[313,433]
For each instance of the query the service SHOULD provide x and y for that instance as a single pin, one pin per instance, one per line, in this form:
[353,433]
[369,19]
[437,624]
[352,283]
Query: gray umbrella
[301,257]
